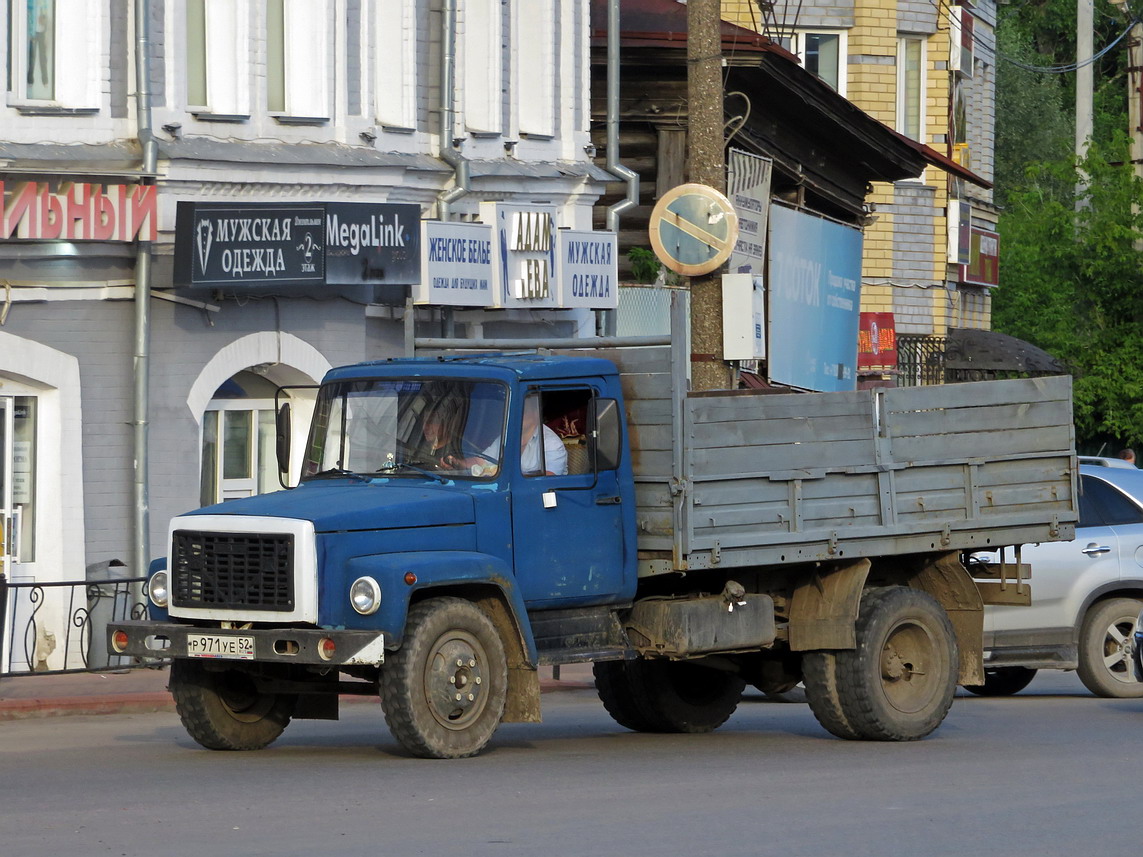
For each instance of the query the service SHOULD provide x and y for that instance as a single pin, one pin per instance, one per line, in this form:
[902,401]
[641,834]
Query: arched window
[238,431]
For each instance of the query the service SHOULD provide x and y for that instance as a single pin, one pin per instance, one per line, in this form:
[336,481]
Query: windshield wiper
[335,472]
[416,466]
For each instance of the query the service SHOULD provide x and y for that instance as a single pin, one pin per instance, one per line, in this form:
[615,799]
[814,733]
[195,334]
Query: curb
[136,703]
[148,703]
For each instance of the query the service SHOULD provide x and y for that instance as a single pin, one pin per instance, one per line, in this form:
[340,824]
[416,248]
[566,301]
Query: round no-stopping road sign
[693,229]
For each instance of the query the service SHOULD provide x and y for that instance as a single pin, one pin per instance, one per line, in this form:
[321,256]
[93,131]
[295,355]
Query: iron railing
[920,359]
[35,616]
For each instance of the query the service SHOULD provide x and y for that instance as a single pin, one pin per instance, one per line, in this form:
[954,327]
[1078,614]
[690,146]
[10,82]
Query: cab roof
[523,366]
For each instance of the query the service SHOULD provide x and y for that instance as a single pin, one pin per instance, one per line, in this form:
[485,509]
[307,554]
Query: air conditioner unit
[961,41]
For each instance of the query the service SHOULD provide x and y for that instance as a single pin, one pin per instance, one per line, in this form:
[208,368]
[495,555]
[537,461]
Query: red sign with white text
[876,341]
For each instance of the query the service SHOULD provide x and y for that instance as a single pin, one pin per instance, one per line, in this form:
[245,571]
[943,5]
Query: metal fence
[61,627]
[920,359]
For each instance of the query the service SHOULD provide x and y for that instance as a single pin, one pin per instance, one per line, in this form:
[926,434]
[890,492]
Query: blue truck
[461,520]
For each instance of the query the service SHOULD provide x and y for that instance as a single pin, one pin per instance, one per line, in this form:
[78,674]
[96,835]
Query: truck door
[566,522]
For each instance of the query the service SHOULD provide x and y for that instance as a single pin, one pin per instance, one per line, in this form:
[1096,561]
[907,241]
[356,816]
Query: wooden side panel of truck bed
[745,478]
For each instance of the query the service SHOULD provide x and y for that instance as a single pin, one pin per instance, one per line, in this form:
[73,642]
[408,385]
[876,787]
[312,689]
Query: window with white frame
[911,86]
[218,57]
[536,71]
[395,68]
[53,56]
[823,54]
[239,441]
[482,66]
[297,58]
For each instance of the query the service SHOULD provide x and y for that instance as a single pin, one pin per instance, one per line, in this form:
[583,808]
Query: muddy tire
[443,691]
[622,698]
[667,696]
[820,670]
[1105,644]
[773,676]
[1002,681]
[222,710]
[898,684]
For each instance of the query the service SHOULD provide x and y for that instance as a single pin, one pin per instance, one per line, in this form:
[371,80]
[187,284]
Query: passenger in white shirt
[555,460]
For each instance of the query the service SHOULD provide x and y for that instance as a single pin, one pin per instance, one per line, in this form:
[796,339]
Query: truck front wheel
[223,710]
[899,682]
[443,691]
[667,696]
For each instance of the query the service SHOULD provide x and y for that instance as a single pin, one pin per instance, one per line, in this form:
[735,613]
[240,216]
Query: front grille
[241,571]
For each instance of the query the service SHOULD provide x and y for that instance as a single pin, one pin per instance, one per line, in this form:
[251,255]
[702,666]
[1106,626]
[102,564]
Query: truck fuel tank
[694,625]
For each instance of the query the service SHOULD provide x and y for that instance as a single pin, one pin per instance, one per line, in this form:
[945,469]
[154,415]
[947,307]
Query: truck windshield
[407,428]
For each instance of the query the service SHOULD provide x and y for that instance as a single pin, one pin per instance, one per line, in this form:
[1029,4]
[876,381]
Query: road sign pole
[706,164]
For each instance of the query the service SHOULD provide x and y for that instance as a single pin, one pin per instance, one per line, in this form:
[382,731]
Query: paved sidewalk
[143,690]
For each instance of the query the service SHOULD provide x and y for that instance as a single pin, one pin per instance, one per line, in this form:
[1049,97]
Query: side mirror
[606,438]
[282,437]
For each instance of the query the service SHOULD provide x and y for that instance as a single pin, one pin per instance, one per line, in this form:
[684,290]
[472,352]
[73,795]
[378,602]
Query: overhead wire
[1067,68]
[945,12]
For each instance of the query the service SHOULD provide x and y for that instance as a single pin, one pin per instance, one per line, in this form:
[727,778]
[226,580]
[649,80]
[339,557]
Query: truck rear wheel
[223,710]
[1002,681]
[820,670]
[667,696]
[898,684]
[443,691]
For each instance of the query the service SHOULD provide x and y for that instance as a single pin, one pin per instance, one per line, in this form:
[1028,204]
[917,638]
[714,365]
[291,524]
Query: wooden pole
[706,164]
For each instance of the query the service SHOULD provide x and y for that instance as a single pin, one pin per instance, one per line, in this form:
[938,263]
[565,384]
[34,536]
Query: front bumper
[279,645]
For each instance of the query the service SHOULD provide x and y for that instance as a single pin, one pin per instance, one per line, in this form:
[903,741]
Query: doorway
[18,416]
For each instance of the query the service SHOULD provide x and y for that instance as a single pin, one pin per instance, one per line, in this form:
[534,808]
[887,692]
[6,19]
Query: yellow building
[926,69]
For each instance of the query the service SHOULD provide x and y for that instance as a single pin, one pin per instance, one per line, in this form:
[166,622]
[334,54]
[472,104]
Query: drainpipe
[142,552]
[448,151]
[613,166]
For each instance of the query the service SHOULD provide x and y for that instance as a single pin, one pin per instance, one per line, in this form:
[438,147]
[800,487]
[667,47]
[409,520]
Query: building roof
[663,24]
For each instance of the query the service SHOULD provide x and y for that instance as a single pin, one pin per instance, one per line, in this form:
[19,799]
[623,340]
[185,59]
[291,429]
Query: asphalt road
[1052,771]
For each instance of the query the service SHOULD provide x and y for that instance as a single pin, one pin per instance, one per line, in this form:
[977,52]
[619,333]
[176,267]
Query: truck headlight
[159,589]
[365,595]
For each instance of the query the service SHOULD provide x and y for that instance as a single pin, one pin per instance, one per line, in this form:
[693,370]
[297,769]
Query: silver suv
[1086,596]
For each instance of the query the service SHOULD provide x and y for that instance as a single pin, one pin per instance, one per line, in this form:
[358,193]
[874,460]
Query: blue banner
[815,297]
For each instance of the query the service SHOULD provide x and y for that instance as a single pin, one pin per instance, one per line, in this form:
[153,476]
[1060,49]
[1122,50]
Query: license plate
[220,646]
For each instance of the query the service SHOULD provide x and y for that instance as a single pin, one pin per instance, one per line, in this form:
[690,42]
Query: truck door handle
[1092,550]
[608,501]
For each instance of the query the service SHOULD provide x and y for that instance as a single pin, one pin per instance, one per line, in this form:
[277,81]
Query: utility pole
[1135,90]
[1134,96]
[706,164]
[1084,77]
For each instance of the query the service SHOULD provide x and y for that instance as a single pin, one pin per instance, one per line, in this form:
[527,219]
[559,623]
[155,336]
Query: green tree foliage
[1033,125]
[1071,282]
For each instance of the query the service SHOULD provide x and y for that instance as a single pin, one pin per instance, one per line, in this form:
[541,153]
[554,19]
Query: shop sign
[748,186]
[261,245]
[589,269]
[983,268]
[374,244]
[814,299]
[456,264]
[877,341]
[524,265]
[78,211]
